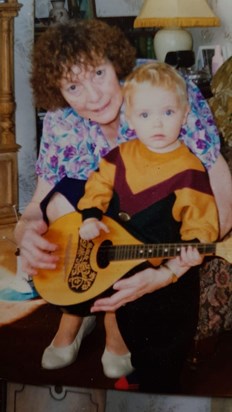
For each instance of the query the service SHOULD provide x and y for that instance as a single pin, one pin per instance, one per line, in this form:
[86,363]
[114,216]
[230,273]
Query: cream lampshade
[172,15]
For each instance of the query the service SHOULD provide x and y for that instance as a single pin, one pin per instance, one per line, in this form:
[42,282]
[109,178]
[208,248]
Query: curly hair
[84,42]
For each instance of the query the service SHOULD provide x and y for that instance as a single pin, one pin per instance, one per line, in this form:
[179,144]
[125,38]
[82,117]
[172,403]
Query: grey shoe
[115,366]
[56,358]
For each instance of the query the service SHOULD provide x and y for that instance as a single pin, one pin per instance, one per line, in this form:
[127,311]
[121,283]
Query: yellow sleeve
[198,213]
[99,188]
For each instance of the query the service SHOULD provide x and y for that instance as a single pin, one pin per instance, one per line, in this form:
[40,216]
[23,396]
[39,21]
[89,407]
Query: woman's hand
[148,281]
[130,289]
[35,250]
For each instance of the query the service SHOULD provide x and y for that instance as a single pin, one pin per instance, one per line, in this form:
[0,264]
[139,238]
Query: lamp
[172,15]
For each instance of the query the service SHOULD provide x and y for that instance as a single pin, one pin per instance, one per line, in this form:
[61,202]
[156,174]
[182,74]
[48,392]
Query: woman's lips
[102,109]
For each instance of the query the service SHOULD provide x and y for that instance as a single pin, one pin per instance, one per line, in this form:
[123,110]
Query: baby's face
[156,114]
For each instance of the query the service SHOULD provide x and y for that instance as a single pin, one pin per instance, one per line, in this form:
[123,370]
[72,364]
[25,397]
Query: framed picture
[83,9]
[204,58]
[106,8]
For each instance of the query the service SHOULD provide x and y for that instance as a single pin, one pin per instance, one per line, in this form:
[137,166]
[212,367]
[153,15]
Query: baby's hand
[91,228]
[189,257]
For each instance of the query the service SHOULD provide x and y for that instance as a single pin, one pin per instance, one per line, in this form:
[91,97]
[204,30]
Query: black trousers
[158,330]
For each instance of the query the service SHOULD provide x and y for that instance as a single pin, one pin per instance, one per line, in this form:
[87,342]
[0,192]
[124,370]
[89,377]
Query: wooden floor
[22,344]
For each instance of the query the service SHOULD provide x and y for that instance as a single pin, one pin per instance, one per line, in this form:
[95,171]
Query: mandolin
[88,268]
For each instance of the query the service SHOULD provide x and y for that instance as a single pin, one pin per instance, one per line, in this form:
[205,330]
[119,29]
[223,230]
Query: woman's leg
[69,324]
[67,330]
[158,329]
[114,341]
[65,346]
[116,359]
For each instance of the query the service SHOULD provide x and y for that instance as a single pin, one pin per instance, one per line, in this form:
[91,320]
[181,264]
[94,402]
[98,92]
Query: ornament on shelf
[217,59]
[58,13]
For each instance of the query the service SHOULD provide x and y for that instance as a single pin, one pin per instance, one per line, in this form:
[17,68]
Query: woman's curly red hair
[76,42]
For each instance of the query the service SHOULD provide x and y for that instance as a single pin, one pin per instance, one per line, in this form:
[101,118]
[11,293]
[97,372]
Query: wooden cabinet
[8,146]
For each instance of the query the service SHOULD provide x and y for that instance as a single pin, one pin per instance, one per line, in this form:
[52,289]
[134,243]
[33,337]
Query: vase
[58,13]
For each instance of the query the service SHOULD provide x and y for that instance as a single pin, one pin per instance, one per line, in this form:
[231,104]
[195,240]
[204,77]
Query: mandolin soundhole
[103,254]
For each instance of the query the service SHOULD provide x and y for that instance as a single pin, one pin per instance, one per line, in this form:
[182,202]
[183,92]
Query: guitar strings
[122,248]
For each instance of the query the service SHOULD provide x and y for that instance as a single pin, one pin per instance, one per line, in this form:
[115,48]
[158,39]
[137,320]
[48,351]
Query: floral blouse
[72,146]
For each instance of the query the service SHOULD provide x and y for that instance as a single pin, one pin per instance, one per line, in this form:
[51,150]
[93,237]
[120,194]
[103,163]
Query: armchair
[215,312]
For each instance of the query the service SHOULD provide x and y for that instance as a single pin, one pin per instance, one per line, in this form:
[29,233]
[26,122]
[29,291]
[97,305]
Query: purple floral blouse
[72,146]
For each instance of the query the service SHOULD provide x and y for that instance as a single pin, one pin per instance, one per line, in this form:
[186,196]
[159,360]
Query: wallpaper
[25,112]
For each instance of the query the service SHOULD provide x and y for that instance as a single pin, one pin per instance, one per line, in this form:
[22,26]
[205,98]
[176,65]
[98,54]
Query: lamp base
[171,39]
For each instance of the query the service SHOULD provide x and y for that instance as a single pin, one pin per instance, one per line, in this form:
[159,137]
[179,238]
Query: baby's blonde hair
[158,75]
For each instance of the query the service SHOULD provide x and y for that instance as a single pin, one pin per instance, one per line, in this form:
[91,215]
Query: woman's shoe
[115,366]
[59,357]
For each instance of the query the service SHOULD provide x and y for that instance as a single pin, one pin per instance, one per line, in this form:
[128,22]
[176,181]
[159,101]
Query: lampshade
[173,15]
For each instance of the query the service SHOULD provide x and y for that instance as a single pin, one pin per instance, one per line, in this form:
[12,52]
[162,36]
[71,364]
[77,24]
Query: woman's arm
[148,281]
[221,183]
[29,230]
[202,137]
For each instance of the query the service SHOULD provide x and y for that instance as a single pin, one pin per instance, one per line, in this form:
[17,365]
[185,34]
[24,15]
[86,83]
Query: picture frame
[204,58]
[106,8]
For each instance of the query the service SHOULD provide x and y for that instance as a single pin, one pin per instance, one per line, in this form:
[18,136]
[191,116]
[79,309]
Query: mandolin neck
[164,250]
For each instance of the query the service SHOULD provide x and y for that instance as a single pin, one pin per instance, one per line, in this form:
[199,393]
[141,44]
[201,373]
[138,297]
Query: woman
[80,87]
[85,38]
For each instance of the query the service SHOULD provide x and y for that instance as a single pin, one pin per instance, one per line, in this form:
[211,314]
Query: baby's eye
[144,115]
[169,112]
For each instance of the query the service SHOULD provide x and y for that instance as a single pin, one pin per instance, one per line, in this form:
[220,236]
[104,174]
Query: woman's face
[94,93]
